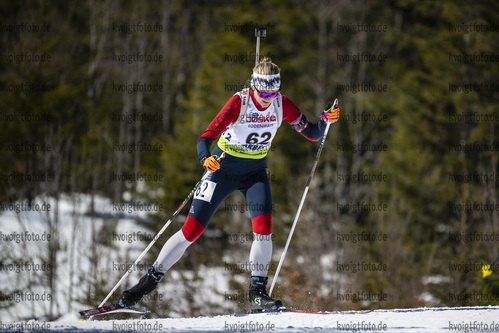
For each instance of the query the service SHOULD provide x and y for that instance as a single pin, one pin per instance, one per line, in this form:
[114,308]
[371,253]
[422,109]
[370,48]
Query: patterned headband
[266,82]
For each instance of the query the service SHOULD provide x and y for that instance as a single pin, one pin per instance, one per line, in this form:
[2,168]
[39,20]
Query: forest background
[103,101]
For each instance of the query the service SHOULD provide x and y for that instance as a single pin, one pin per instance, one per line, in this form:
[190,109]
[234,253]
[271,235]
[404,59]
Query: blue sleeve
[204,147]
[313,132]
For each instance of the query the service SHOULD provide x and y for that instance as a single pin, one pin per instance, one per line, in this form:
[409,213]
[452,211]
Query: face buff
[266,82]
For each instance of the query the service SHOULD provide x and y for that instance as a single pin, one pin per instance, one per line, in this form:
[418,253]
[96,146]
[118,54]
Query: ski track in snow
[462,319]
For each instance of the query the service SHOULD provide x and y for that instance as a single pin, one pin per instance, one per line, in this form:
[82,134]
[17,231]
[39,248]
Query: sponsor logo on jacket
[257,118]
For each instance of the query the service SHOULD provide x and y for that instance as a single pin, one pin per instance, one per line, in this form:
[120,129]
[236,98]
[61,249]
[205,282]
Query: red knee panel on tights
[262,224]
[192,229]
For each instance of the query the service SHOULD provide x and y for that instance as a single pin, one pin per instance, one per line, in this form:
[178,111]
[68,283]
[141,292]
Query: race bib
[205,190]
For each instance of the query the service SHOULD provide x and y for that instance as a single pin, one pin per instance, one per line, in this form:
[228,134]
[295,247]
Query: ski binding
[111,308]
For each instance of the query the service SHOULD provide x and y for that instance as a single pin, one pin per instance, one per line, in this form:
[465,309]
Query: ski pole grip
[335,104]
[221,157]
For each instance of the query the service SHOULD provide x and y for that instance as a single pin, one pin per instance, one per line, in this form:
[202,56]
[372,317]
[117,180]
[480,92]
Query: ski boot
[145,286]
[259,300]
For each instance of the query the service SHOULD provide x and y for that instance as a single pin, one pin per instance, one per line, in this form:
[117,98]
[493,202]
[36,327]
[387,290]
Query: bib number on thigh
[205,190]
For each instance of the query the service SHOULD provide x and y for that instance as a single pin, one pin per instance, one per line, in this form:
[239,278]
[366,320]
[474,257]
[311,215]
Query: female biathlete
[245,138]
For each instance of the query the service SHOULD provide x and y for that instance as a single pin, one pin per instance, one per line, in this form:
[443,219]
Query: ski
[330,312]
[111,308]
[272,310]
[284,310]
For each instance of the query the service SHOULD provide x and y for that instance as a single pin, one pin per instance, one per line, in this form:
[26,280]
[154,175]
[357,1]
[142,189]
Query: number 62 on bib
[205,190]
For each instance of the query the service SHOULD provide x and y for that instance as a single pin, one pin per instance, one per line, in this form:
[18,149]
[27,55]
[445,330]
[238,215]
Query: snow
[21,255]
[72,211]
[464,319]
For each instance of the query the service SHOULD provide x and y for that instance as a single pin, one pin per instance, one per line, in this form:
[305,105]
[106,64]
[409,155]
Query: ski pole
[158,235]
[295,222]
